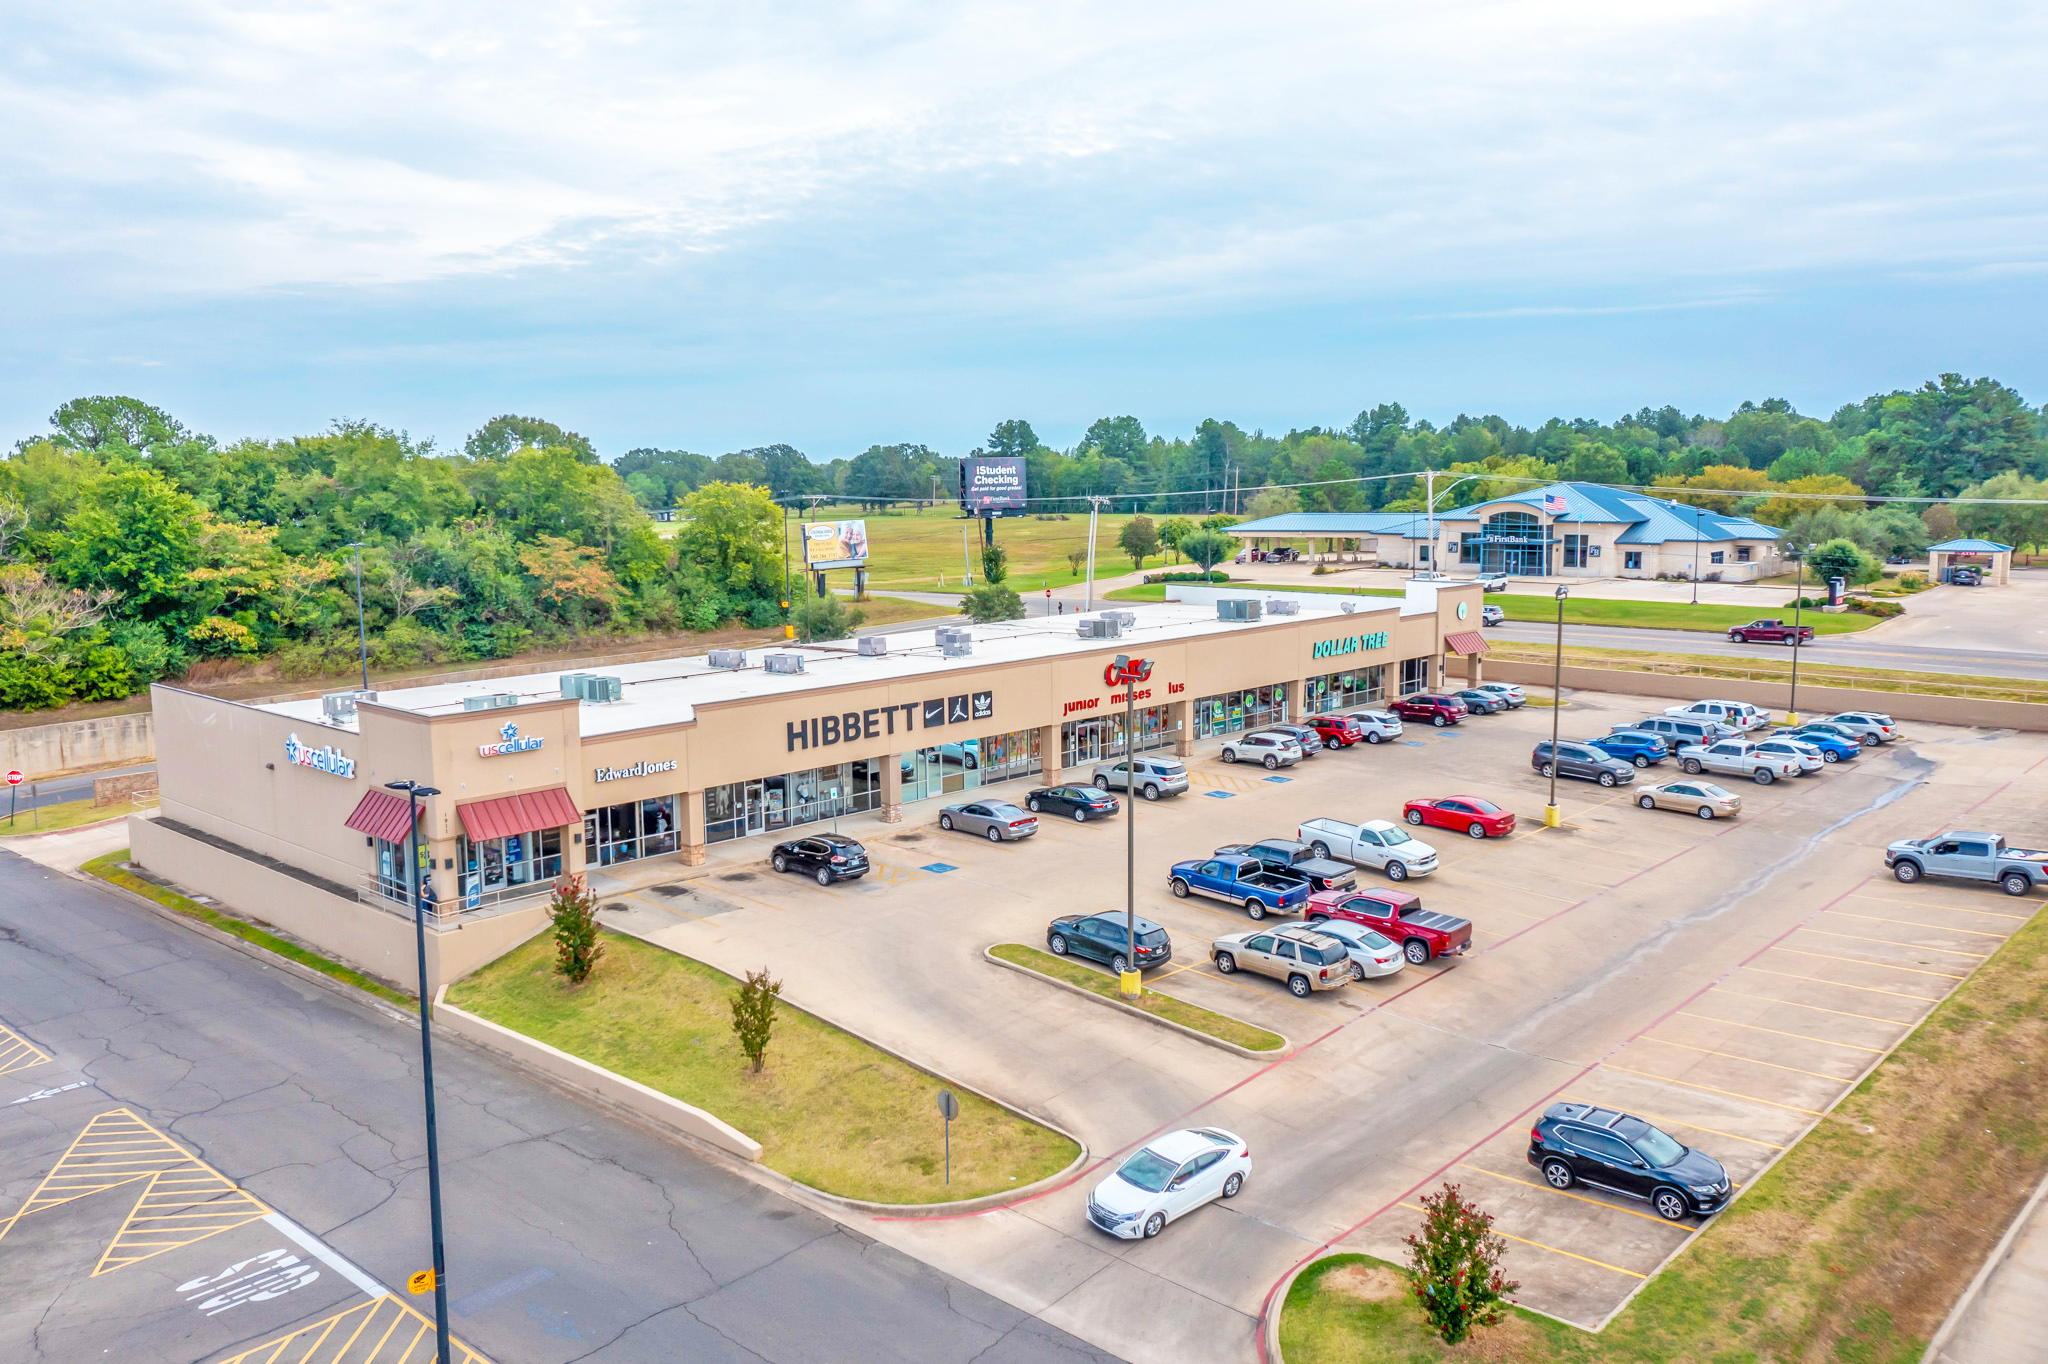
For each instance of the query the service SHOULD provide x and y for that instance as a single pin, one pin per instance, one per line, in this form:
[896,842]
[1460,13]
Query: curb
[1269,1327]
[988,954]
[76,828]
[1984,1273]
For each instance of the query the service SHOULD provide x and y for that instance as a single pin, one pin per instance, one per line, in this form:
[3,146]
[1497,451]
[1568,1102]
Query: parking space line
[1777,1032]
[1587,1259]
[1894,942]
[361,1346]
[1816,1074]
[1733,1094]
[1936,904]
[1865,961]
[1532,1184]
[1843,984]
[1681,1122]
[1915,923]
[18,1053]
[1840,1013]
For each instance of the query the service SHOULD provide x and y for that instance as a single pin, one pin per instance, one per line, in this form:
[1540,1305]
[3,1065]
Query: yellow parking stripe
[1777,1032]
[1823,980]
[1815,1008]
[18,1053]
[1894,942]
[1586,1259]
[1532,1184]
[1733,1094]
[1915,923]
[357,1335]
[1709,1051]
[1865,961]
[1681,1122]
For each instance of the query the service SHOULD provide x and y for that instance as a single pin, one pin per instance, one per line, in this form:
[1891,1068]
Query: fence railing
[443,913]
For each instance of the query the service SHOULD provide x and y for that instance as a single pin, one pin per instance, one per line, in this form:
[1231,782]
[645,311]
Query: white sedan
[1372,954]
[1380,726]
[1167,1178]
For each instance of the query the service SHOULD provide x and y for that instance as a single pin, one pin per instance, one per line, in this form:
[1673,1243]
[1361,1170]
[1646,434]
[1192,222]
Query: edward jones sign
[1350,644]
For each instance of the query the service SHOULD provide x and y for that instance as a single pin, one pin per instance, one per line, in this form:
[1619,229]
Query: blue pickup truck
[1242,881]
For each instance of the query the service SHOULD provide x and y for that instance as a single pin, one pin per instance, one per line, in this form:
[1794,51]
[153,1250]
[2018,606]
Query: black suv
[1605,1149]
[826,857]
[1106,938]
[1582,760]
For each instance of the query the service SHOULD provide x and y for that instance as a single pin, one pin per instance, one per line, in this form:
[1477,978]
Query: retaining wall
[46,750]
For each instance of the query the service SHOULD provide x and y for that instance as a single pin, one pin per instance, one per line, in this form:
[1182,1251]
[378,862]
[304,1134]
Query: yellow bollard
[1551,817]
[1131,984]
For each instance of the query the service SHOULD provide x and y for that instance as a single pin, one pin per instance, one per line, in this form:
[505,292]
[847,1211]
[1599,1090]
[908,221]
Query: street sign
[422,1281]
[14,778]
[949,1104]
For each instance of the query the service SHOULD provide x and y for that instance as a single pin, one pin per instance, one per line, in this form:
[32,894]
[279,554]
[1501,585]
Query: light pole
[362,631]
[414,793]
[1798,602]
[1128,672]
[1551,818]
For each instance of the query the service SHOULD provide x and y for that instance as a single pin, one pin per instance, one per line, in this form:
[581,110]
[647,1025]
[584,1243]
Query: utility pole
[362,632]
[414,793]
[1798,601]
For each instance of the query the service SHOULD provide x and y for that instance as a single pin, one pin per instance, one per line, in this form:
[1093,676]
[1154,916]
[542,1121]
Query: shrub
[753,1015]
[825,616]
[574,912]
[992,602]
[1454,1266]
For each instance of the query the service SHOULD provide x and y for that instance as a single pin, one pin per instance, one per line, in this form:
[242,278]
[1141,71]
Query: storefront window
[1236,711]
[1414,675]
[391,869]
[1005,757]
[622,833]
[769,804]
[940,770]
[1090,741]
[491,866]
[1342,691]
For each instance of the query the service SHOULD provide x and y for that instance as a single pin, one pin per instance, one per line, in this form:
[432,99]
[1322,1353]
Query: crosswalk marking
[18,1053]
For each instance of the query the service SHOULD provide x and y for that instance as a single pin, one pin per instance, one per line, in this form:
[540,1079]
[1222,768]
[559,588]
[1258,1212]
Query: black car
[1606,1149]
[1102,938]
[1082,802]
[1582,760]
[825,857]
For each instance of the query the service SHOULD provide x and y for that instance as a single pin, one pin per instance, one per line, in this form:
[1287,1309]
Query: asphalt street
[572,1235]
[48,791]
[1855,651]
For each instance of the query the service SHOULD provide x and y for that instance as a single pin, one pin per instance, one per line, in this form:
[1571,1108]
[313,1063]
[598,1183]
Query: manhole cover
[737,876]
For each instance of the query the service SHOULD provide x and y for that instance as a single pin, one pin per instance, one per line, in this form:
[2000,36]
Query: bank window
[495,866]
[1414,675]
[634,829]
[1742,554]
[1717,557]
[1574,551]
[1632,559]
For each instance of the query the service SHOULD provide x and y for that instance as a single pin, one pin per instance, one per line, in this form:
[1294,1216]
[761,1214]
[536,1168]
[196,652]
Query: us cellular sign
[1350,644]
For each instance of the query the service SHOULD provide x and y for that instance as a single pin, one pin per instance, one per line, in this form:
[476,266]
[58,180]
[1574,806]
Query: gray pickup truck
[1970,857]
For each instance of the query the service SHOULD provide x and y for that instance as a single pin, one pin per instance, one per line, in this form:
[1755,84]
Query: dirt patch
[1368,1283]
[1514,1341]
[747,876]
[671,890]
[909,838]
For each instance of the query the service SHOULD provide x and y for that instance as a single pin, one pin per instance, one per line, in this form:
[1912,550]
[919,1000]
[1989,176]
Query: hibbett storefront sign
[855,726]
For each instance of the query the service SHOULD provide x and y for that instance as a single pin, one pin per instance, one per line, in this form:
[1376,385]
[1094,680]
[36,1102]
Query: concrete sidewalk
[2003,1317]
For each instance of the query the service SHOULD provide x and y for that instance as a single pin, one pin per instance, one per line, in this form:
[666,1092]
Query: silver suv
[1306,959]
[1156,777]
[1268,747]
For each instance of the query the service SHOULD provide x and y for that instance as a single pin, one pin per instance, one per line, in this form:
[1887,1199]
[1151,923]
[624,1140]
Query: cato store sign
[329,760]
[510,742]
[1350,644]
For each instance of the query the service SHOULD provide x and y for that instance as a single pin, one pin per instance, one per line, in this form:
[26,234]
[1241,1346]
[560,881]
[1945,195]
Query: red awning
[502,815]
[1465,642]
[380,814]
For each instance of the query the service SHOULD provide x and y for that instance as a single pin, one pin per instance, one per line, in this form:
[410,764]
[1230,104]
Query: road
[47,791]
[571,1235]
[1877,650]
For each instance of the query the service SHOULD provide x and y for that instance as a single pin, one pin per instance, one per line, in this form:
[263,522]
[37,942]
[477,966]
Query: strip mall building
[281,811]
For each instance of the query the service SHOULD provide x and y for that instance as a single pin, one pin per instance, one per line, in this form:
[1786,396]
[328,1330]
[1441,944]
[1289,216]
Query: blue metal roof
[1650,520]
[1970,546]
[1340,524]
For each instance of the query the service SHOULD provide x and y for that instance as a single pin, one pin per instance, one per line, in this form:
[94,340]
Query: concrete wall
[46,750]
[122,790]
[1813,701]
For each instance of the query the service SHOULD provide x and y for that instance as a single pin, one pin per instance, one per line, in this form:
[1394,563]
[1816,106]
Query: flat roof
[669,691]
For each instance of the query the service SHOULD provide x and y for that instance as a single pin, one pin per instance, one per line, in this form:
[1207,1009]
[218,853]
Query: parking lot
[1727,980]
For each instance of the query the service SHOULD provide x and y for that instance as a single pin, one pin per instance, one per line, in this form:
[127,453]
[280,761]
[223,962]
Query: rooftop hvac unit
[1237,608]
[1277,606]
[871,646]
[589,687]
[492,702]
[1104,628]
[1127,619]
[728,658]
[956,647]
[783,663]
[341,705]
[954,633]
[1347,607]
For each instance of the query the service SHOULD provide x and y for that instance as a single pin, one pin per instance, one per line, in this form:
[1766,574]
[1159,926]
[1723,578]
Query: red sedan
[1468,814]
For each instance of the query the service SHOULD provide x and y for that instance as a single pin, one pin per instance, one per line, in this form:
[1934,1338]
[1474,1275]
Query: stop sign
[14,778]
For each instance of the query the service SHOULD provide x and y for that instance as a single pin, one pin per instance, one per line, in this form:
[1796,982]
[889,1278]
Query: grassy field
[1173,1010]
[829,1110]
[1663,615]
[896,610]
[910,549]
[1851,1248]
[1157,591]
[109,869]
[1776,666]
[69,815]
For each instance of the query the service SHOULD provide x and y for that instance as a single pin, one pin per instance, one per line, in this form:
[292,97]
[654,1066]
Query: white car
[1507,691]
[1376,843]
[1492,582]
[1267,746]
[1428,577]
[1372,954]
[1870,726]
[1169,1177]
[1379,725]
[1809,757]
[1490,614]
[1739,716]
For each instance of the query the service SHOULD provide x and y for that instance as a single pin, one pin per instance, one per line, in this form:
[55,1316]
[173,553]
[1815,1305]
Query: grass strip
[108,868]
[69,815]
[1219,1026]
[1157,591]
[829,1110]
[1852,1247]
[1707,617]
[1776,667]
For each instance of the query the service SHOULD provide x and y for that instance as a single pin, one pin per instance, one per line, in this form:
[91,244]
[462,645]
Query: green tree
[1595,462]
[1013,439]
[500,436]
[1175,528]
[992,602]
[1208,547]
[2022,522]
[753,1015]
[825,615]
[133,532]
[1119,438]
[1140,539]
[1454,1266]
[1946,435]
[1847,560]
[104,423]
[734,533]
[995,563]
[573,911]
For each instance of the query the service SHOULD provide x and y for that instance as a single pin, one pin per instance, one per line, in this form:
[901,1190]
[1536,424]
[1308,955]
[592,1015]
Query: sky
[712,226]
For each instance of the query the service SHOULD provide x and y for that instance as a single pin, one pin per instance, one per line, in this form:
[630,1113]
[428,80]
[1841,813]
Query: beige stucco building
[287,804]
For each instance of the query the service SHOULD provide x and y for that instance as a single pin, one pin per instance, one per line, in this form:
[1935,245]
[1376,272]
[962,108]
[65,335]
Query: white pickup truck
[1734,758]
[1970,857]
[1375,843]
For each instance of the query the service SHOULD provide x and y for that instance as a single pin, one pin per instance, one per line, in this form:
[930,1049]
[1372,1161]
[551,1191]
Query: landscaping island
[1098,982]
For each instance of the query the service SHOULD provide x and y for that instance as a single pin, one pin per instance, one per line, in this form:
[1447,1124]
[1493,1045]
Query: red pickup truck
[1770,632]
[1423,934]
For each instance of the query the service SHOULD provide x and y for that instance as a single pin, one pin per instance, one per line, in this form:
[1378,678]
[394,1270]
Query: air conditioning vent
[783,663]
[341,705]
[589,687]
[1277,606]
[493,702]
[871,646]
[1104,628]
[1127,619]
[728,658]
[1237,608]
[1347,607]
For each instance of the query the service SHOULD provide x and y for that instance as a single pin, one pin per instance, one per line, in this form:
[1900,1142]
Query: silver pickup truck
[1737,758]
[1969,857]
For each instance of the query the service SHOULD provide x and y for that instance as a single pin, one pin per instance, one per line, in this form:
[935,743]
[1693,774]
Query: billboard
[991,486]
[835,544]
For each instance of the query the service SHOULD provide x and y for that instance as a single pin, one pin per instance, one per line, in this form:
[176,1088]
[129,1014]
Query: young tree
[824,615]
[1139,539]
[1208,547]
[1174,528]
[992,602]
[753,1015]
[995,564]
[1077,559]
[1846,560]
[574,913]
[1454,1266]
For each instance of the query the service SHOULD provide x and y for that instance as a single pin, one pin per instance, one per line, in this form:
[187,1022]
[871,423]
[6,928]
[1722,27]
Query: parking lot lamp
[1798,602]
[414,794]
[1129,672]
[1551,819]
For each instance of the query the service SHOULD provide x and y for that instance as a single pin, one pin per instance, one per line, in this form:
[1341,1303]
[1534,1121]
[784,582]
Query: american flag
[1553,504]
